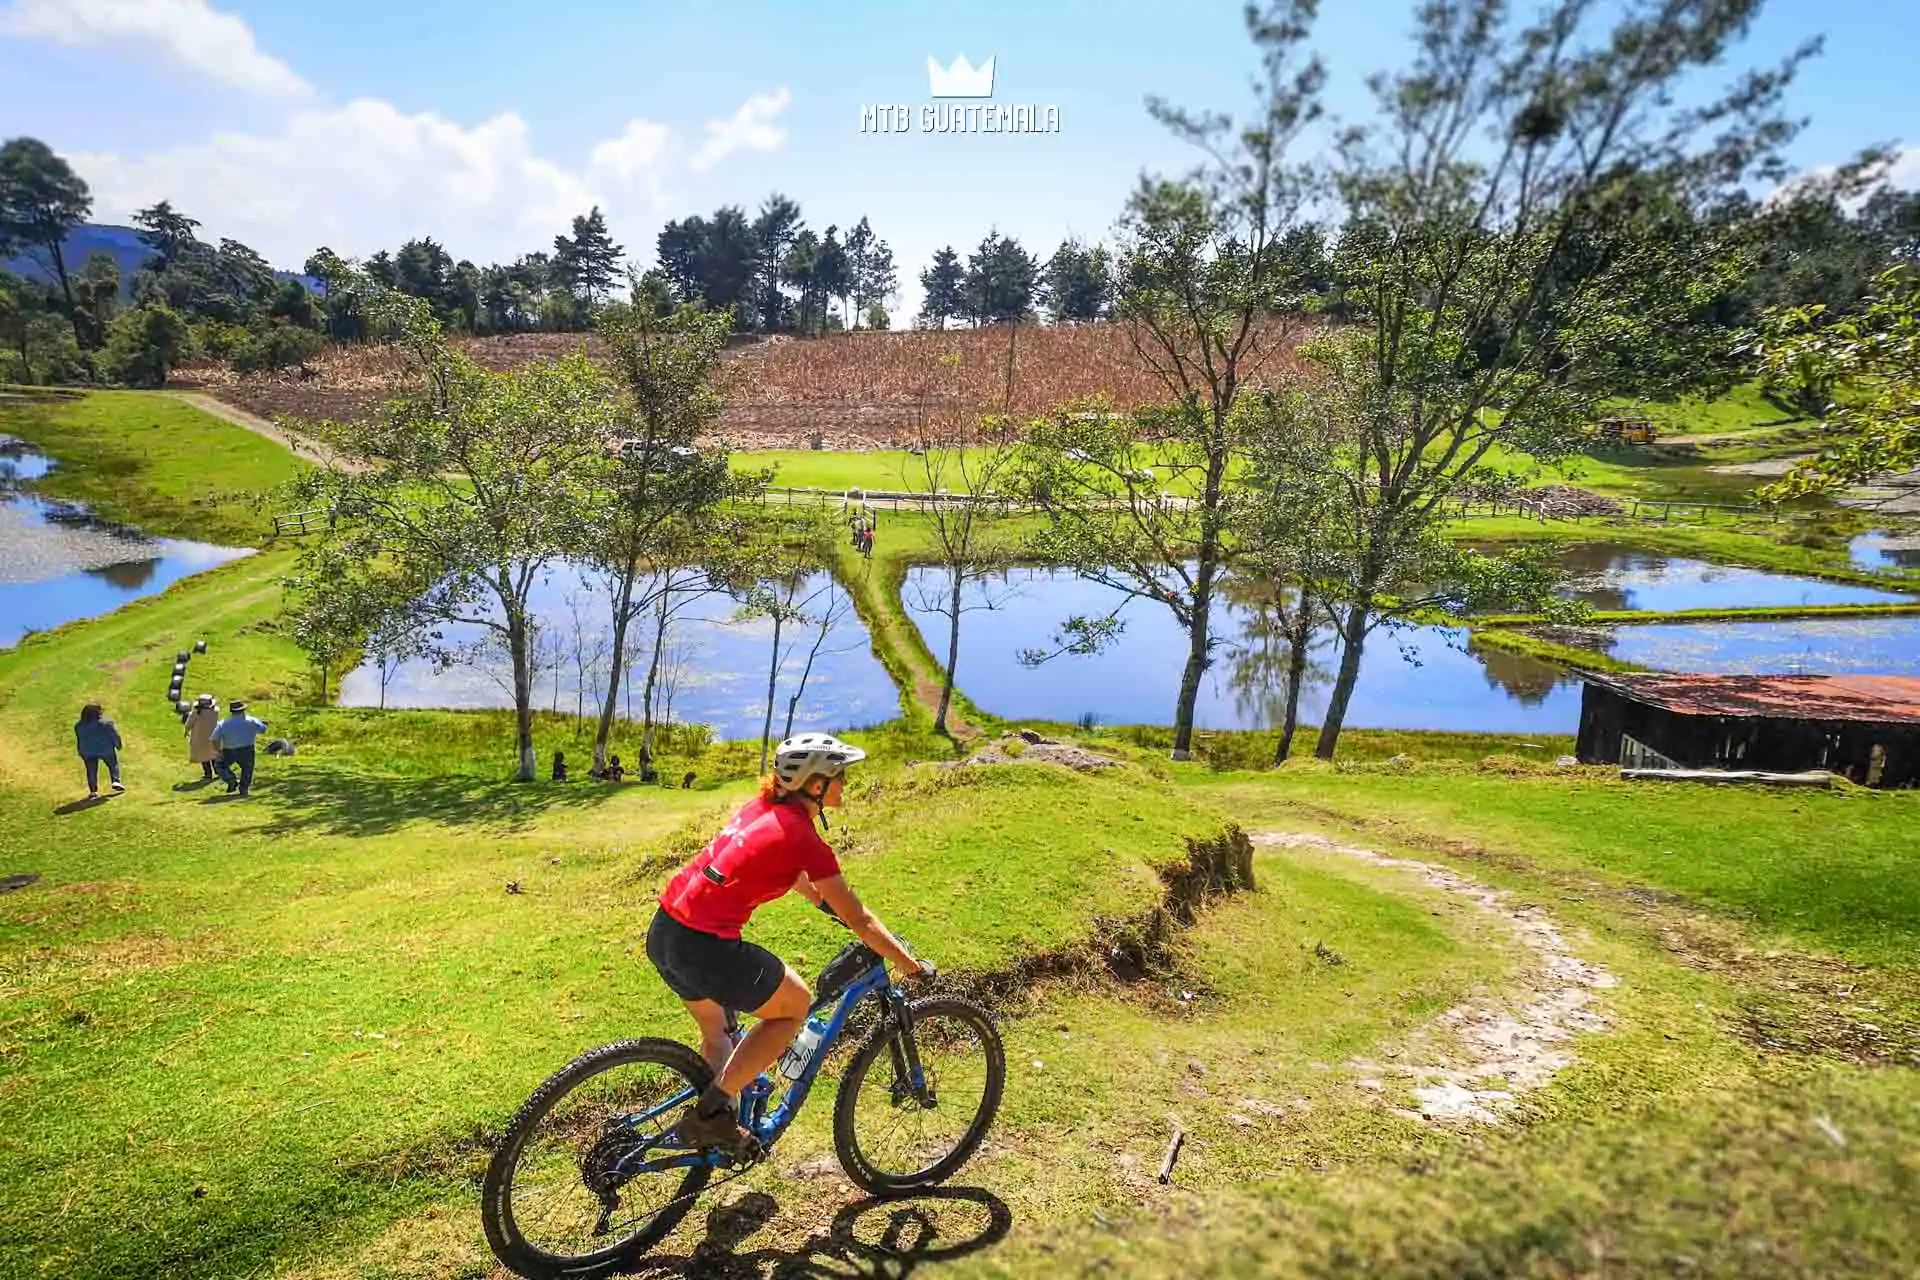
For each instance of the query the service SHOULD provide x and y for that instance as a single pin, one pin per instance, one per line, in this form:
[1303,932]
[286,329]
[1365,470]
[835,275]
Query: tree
[774,230]
[143,345]
[780,598]
[466,487]
[652,486]
[681,249]
[1524,244]
[41,201]
[1198,285]
[167,232]
[943,285]
[974,456]
[589,263]
[246,274]
[276,345]
[96,296]
[1873,426]
[729,263]
[1002,279]
[1078,283]
[802,271]
[832,271]
[338,296]
[872,278]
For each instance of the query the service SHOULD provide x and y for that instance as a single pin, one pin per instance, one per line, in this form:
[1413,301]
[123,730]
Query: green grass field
[273,1037]
[150,461]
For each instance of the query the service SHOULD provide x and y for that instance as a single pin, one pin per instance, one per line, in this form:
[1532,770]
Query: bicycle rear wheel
[561,1197]
[891,1140]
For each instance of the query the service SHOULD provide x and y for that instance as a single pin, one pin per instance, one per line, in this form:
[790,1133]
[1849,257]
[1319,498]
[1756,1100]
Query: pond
[1614,576]
[60,563]
[1416,678]
[1806,646]
[1884,550]
[714,665]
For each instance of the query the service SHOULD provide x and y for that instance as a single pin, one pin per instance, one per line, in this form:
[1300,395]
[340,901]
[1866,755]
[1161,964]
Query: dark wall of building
[1882,755]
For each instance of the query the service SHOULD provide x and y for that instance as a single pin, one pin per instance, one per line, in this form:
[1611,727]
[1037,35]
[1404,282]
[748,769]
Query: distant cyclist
[769,848]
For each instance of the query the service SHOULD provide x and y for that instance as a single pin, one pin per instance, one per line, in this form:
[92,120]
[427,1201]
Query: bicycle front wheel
[891,1139]
[567,1193]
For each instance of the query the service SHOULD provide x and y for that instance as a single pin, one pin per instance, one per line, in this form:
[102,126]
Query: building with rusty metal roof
[1866,728]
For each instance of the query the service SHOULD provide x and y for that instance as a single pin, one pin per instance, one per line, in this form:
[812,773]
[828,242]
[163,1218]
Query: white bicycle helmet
[807,754]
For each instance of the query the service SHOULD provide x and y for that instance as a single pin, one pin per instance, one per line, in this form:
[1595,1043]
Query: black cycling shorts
[705,966]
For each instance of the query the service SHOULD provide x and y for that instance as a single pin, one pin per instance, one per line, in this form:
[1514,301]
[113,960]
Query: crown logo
[961,80]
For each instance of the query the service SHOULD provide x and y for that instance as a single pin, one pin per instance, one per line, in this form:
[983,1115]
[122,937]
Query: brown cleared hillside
[858,390]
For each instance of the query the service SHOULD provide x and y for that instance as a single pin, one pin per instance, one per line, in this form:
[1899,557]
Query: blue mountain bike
[589,1174]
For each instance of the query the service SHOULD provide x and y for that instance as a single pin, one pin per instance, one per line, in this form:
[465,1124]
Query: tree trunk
[59,256]
[1198,651]
[773,675]
[622,615]
[653,674]
[1299,632]
[1353,641]
[953,655]
[522,692]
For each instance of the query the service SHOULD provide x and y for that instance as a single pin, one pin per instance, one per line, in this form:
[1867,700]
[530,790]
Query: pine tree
[944,286]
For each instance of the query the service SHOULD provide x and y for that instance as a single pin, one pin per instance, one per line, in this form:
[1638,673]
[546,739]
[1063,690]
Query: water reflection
[1613,576]
[714,664]
[1410,678]
[131,576]
[59,562]
[1884,550]
[1809,646]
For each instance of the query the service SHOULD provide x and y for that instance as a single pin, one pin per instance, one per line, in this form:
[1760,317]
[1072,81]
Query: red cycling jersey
[755,858]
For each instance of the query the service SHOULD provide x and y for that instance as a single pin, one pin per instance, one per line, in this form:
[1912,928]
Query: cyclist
[769,848]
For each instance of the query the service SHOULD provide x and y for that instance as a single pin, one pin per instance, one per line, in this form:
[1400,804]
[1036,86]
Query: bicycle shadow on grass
[875,1239]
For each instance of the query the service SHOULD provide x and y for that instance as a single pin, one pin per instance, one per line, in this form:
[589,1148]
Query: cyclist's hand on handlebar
[924,970]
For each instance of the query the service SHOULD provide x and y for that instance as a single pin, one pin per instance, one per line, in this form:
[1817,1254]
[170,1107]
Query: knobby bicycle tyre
[930,1011]
[504,1235]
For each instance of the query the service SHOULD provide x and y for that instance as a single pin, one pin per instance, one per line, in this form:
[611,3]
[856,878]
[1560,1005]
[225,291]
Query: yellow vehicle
[1623,431]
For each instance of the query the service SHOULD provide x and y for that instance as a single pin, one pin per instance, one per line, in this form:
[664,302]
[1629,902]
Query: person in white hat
[200,745]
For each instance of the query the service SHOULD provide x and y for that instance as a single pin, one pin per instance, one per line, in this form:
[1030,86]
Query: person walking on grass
[201,722]
[235,736]
[98,743]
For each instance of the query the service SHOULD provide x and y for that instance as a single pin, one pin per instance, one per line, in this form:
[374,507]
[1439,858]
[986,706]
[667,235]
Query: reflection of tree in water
[1257,665]
[1528,680]
[130,575]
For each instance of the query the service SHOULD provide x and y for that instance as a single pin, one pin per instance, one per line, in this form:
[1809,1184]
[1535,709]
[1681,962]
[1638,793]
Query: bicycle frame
[767,1126]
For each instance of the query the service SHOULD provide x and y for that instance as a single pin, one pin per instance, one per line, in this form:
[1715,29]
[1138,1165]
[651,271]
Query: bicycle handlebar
[927,969]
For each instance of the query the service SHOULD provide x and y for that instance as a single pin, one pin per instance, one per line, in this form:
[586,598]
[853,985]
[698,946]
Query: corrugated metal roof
[1880,699]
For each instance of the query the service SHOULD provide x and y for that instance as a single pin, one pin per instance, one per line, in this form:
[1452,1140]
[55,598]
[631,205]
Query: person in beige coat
[200,745]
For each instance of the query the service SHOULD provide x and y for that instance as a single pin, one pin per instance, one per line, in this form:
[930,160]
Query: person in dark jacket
[98,741]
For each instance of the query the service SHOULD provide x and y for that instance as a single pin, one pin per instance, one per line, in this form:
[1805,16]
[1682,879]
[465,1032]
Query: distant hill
[121,243]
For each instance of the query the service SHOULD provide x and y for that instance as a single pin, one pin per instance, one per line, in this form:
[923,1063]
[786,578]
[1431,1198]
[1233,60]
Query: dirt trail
[253,422]
[1489,1049]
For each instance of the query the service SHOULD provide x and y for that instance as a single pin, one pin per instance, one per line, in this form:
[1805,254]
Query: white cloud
[1905,172]
[636,156]
[187,34]
[366,176]
[753,127]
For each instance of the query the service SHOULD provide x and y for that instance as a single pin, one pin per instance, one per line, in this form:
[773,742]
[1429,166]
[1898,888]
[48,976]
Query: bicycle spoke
[898,1135]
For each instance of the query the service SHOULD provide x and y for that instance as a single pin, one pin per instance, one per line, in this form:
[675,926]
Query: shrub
[143,345]
[276,346]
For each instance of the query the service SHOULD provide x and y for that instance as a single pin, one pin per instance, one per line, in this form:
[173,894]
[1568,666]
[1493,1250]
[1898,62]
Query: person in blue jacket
[98,742]
[235,737]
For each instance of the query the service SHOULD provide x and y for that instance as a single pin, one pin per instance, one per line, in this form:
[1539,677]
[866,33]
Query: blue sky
[359,124]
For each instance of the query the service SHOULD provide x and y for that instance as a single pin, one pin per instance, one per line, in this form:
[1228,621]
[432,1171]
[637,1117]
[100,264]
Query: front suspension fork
[909,1077]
